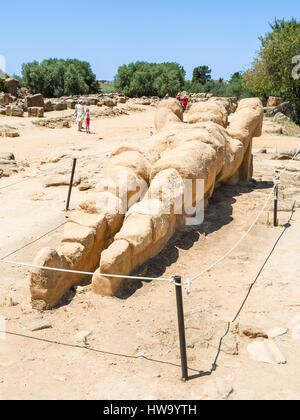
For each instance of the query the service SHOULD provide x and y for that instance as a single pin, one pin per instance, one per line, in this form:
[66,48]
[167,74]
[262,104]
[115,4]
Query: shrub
[271,73]
[55,78]
[150,79]
[2,85]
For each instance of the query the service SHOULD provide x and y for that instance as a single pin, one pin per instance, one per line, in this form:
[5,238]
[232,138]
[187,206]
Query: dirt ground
[126,347]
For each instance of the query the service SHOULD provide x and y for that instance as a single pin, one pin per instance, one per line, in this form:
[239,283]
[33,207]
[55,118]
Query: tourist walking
[185,102]
[87,120]
[79,114]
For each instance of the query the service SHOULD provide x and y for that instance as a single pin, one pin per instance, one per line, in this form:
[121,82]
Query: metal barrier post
[276,181]
[180,315]
[275,206]
[71,184]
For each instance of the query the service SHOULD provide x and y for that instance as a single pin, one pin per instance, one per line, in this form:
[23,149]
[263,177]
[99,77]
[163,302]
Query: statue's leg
[90,230]
[147,226]
[246,168]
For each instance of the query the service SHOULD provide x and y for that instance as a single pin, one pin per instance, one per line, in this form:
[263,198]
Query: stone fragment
[82,335]
[219,389]
[60,180]
[276,332]
[34,101]
[274,101]
[35,323]
[266,351]
[252,331]
[35,112]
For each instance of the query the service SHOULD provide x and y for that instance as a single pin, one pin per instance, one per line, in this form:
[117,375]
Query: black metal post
[71,183]
[181,329]
[275,206]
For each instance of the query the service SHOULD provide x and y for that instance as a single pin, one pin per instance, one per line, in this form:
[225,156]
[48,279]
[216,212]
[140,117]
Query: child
[185,102]
[87,120]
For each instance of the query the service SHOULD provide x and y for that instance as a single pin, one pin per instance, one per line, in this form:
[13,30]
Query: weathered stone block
[34,101]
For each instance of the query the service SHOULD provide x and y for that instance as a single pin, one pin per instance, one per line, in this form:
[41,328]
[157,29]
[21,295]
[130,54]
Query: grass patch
[289,128]
[108,88]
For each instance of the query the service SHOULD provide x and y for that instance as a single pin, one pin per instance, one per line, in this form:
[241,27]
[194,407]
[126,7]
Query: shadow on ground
[217,215]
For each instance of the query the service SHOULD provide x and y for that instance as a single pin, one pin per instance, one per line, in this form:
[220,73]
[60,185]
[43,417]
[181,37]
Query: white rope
[293,158]
[189,280]
[41,173]
[171,280]
[238,243]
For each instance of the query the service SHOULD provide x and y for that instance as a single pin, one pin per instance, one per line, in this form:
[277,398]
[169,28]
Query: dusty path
[36,209]
[36,143]
[132,350]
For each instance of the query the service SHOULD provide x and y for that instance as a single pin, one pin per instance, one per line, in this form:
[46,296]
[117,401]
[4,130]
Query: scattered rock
[253,332]
[266,351]
[35,112]
[81,335]
[35,323]
[281,156]
[60,180]
[34,101]
[276,332]
[14,111]
[84,186]
[12,134]
[61,106]
[293,169]
[285,108]
[219,389]
[274,101]
[12,86]
[279,116]
[273,130]
[60,378]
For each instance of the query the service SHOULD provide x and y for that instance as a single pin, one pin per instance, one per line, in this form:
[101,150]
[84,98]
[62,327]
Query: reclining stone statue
[136,208]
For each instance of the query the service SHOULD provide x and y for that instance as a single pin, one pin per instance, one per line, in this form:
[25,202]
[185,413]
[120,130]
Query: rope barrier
[237,243]
[35,240]
[62,270]
[32,177]
[276,181]
[188,282]
[85,159]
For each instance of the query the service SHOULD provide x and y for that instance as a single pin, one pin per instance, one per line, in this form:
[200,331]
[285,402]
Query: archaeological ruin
[113,231]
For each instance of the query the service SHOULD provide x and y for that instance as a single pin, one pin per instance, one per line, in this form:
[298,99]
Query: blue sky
[221,34]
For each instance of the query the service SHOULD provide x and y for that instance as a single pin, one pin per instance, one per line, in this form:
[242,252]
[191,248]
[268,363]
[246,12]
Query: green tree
[201,74]
[149,79]
[235,87]
[272,70]
[55,78]
[2,85]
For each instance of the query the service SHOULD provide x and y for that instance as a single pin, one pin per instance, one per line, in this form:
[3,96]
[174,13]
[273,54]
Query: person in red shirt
[87,120]
[185,102]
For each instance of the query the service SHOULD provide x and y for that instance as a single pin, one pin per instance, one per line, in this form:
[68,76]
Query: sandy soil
[131,351]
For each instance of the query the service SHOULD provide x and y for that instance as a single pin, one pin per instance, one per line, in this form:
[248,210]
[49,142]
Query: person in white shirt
[79,114]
